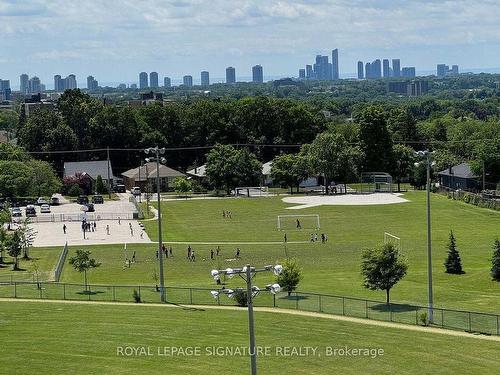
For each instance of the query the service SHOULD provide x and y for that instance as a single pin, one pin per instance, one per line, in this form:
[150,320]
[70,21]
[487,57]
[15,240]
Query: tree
[82,262]
[404,160]
[453,263]
[290,170]
[44,182]
[15,178]
[182,185]
[495,261]
[375,140]
[14,249]
[382,267]
[290,277]
[100,188]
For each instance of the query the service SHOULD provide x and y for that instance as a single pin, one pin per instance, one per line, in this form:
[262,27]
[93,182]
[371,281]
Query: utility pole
[253,353]
[160,241]
[109,177]
[429,241]
[484,177]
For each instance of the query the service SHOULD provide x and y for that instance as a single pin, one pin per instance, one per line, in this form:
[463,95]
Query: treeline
[458,129]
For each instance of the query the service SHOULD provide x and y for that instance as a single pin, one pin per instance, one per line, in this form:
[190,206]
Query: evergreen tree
[495,261]
[453,263]
[100,188]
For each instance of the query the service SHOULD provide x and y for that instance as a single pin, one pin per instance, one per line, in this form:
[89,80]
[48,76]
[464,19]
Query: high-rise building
[133,86]
[376,69]
[386,68]
[335,64]
[396,67]
[92,83]
[230,75]
[257,74]
[442,70]
[454,69]
[5,90]
[167,82]
[309,72]
[71,82]
[322,68]
[58,86]
[302,74]
[153,79]
[35,86]
[143,80]
[361,73]
[408,72]
[187,81]
[205,78]
[368,70]
[23,83]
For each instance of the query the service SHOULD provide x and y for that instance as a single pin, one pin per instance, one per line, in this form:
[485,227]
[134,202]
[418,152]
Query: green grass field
[49,338]
[45,258]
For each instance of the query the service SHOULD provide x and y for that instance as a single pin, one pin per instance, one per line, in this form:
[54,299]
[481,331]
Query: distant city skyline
[115,40]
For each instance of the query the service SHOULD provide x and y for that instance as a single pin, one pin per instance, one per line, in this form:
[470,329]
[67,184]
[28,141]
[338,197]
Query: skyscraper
[230,75]
[386,68]
[376,69]
[167,82]
[408,72]
[205,78]
[309,72]
[187,81]
[442,70]
[396,67]
[257,74]
[302,74]
[335,64]
[143,80]
[92,83]
[454,69]
[153,79]
[368,70]
[34,85]
[23,80]
[322,68]
[58,86]
[71,82]
[5,90]
[361,73]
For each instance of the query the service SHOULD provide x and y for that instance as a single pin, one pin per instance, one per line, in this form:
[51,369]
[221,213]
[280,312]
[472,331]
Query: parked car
[136,190]
[41,201]
[30,210]
[97,199]
[16,212]
[120,188]
[90,207]
[45,209]
[82,199]
[54,201]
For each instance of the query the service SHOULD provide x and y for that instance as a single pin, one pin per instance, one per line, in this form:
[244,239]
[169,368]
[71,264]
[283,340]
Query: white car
[45,209]
[136,190]
[16,212]
[41,201]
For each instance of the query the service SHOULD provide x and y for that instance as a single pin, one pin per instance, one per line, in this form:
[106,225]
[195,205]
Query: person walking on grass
[193,258]
[237,252]
[170,251]
[298,226]
[107,229]
[284,238]
[218,250]
[212,254]
[189,252]
[64,228]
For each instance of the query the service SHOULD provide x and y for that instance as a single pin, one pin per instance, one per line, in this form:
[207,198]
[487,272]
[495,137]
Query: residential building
[335,64]
[92,83]
[91,168]
[34,85]
[408,88]
[205,78]
[187,81]
[230,75]
[153,79]
[386,68]
[167,82]
[361,73]
[444,70]
[396,68]
[146,175]
[302,74]
[23,84]
[408,72]
[143,80]
[257,74]
[459,177]
[5,90]
[309,72]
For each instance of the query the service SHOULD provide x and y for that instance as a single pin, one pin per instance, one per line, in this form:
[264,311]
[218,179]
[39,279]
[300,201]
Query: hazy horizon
[116,40]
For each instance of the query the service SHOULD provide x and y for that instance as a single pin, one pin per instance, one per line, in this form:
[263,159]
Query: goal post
[298,222]
[391,238]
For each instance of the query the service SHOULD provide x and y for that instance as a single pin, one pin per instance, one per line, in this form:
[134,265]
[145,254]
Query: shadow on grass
[294,298]
[382,307]
[89,292]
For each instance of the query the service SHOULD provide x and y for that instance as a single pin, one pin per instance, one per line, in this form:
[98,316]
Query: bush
[290,277]
[423,319]
[75,190]
[453,263]
[136,296]
[495,261]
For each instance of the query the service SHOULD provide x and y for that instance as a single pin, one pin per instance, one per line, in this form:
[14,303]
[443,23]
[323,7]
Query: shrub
[240,297]
[136,296]
[423,319]
[75,190]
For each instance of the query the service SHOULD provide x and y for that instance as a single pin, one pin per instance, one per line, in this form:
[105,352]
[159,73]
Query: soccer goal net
[251,191]
[391,238]
[286,222]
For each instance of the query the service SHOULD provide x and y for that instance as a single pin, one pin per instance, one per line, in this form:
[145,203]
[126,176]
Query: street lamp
[156,152]
[428,155]
[247,273]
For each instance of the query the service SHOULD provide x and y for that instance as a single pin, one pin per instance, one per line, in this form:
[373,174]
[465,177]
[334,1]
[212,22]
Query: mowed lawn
[44,259]
[50,338]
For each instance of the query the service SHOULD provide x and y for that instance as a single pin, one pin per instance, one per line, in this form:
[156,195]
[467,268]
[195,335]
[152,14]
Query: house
[91,168]
[459,177]
[198,173]
[146,174]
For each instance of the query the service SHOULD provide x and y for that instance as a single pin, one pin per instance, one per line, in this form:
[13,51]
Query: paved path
[369,322]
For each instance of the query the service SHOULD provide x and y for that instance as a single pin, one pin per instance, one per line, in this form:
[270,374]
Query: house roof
[92,168]
[198,171]
[462,170]
[149,169]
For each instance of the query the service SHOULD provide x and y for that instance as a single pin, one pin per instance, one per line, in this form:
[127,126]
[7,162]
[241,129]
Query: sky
[114,40]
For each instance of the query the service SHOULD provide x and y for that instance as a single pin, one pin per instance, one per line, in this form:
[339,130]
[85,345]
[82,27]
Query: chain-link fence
[338,305]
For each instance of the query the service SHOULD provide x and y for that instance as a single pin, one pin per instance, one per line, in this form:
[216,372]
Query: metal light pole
[157,151]
[247,273]
[429,241]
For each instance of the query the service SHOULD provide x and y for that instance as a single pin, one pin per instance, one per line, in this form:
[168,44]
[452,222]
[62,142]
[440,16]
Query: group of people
[227,214]
[191,256]
[167,251]
[314,237]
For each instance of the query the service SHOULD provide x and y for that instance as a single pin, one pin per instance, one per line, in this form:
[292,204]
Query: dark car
[54,201]
[97,199]
[82,199]
[119,188]
[90,207]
